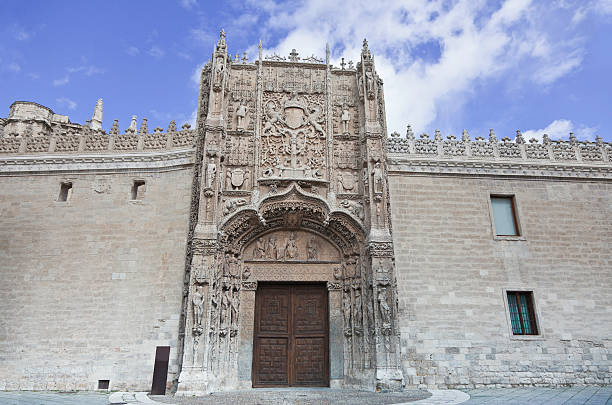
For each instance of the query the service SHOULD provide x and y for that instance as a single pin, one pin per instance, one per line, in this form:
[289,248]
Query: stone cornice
[91,162]
[400,163]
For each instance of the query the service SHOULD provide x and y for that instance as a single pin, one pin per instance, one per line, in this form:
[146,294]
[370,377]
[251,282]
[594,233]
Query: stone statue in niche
[345,118]
[219,69]
[369,84]
[198,305]
[241,114]
[272,251]
[358,313]
[291,249]
[226,302]
[211,172]
[234,309]
[347,309]
[377,174]
[259,251]
[385,309]
[312,249]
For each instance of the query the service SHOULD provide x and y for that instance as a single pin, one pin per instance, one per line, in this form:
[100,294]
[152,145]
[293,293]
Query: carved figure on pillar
[198,305]
[345,118]
[378,179]
[385,309]
[211,173]
[291,249]
[241,114]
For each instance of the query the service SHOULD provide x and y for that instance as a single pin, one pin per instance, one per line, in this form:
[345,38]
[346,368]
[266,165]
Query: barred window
[522,315]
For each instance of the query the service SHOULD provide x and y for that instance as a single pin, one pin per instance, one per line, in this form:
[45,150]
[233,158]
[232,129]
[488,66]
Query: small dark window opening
[103,384]
[504,215]
[65,191]
[522,315]
[138,190]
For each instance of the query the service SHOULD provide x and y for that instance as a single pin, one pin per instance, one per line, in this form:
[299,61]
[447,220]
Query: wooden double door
[291,336]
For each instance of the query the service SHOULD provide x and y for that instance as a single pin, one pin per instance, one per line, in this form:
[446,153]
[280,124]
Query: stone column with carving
[382,290]
[203,249]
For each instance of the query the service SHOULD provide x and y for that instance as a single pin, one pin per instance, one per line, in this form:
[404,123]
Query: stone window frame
[517,216]
[132,183]
[68,201]
[536,313]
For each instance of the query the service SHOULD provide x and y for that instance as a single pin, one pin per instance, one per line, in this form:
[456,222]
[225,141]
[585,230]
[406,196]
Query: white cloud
[156,52]
[469,42]
[34,76]
[188,4]
[66,102]
[560,129]
[87,70]
[60,82]
[14,67]
[132,50]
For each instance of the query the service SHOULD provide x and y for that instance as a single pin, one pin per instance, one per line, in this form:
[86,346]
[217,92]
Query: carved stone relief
[291,246]
[293,137]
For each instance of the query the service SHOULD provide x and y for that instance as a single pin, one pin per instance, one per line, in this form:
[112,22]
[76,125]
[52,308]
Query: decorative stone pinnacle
[293,56]
[342,64]
[244,57]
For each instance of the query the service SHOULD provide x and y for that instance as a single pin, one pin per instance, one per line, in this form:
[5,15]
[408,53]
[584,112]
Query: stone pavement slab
[540,396]
[52,398]
[298,396]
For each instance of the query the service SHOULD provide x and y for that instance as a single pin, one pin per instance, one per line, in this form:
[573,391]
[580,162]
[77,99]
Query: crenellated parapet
[34,129]
[518,149]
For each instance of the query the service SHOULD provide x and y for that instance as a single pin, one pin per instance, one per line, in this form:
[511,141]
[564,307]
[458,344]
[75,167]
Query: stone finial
[350,64]
[395,134]
[144,129]
[492,137]
[260,51]
[545,139]
[158,130]
[327,53]
[598,140]
[342,64]
[293,56]
[172,126]
[465,137]
[451,137]
[409,133]
[519,137]
[186,126]
[236,58]
[96,118]
[115,128]
[244,57]
[533,140]
[438,135]
[132,127]
[221,46]
[572,138]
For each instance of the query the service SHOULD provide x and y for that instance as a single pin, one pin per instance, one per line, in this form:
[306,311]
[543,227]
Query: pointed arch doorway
[291,336]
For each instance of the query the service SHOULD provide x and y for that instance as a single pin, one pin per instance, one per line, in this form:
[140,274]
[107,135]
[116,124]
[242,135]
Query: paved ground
[296,396]
[488,396]
[537,396]
[52,398]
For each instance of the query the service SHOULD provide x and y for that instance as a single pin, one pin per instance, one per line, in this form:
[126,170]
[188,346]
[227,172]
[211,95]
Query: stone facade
[289,176]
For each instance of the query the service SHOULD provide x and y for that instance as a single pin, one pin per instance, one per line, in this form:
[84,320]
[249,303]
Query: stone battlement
[491,149]
[33,128]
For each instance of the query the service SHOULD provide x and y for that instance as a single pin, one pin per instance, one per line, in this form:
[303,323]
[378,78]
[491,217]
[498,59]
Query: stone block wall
[453,274]
[90,287]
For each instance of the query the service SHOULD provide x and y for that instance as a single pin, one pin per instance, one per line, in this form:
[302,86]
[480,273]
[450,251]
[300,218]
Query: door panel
[291,336]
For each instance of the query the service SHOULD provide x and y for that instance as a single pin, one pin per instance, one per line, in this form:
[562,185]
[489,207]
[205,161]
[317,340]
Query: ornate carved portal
[290,187]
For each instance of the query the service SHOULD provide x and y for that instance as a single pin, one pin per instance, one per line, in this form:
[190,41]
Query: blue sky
[539,66]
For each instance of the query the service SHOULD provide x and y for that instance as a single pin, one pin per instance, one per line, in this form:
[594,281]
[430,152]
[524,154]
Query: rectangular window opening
[504,216]
[103,384]
[138,190]
[65,191]
[522,315]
